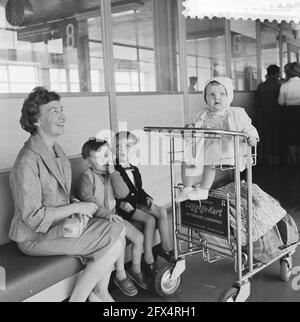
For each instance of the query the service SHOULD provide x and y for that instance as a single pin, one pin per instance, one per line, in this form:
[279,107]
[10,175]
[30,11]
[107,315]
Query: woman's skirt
[97,239]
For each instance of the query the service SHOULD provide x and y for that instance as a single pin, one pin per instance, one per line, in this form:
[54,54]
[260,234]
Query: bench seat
[27,275]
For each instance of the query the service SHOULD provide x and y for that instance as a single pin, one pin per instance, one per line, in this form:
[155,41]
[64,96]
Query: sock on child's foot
[148,258]
[183,193]
[198,194]
[136,268]
[121,275]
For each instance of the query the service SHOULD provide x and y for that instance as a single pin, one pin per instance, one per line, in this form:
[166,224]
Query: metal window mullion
[228,48]
[108,60]
[156,46]
[182,60]
[137,49]
[280,48]
[259,51]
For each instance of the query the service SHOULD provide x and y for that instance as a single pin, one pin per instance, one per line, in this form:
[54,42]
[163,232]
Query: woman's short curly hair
[31,107]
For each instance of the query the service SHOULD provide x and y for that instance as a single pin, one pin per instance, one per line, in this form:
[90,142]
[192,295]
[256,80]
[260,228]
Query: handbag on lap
[72,227]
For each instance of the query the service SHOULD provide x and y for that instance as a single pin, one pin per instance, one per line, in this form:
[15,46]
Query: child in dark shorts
[138,205]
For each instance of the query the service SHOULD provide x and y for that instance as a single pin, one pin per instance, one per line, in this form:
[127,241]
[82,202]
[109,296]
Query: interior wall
[150,110]
[85,117]
[138,111]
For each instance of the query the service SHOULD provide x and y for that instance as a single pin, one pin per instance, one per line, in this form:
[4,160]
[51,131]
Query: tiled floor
[205,282]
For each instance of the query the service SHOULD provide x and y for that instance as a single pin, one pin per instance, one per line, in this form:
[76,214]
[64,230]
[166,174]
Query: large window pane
[145,45]
[96,55]
[57,47]
[244,54]
[133,48]
[270,47]
[290,36]
[205,50]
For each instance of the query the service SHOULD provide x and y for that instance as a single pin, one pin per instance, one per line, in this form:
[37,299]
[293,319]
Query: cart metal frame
[244,263]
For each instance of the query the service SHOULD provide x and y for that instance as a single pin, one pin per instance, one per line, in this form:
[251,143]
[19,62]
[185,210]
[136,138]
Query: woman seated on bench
[47,220]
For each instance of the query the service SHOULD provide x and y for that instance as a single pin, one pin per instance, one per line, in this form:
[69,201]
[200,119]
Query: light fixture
[18,12]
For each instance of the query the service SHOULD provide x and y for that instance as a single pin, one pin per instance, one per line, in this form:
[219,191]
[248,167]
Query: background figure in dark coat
[289,99]
[269,114]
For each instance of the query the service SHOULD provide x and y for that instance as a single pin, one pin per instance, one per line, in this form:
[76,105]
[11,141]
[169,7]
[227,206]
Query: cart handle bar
[193,130]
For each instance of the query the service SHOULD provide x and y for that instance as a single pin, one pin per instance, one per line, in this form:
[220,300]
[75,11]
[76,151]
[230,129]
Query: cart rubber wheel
[164,285]
[229,295]
[285,271]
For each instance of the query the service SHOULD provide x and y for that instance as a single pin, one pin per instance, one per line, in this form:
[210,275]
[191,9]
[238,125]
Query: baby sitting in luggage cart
[198,175]
[238,220]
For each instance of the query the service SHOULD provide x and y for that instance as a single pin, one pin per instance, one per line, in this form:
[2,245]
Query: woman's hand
[126,206]
[252,141]
[86,208]
[84,219]
[115,218]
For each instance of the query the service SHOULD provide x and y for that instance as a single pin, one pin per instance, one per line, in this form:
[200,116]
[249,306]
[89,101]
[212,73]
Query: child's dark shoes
[167,255]
[150,269]
[139,279]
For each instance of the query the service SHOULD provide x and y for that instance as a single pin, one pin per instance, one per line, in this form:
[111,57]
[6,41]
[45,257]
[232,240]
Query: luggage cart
[204,226]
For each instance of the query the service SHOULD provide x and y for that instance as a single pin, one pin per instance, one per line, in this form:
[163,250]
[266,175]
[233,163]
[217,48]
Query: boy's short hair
[92,144]
[125,134]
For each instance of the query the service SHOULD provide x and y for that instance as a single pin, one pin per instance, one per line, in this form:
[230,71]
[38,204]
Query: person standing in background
[289,98]
[266,97]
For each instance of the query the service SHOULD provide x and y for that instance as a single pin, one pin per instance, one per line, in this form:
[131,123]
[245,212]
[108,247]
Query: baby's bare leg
[191,175]
[201,192]
[209,174]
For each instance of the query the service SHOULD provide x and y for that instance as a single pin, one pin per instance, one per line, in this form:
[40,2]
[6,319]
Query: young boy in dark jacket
[138,205]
